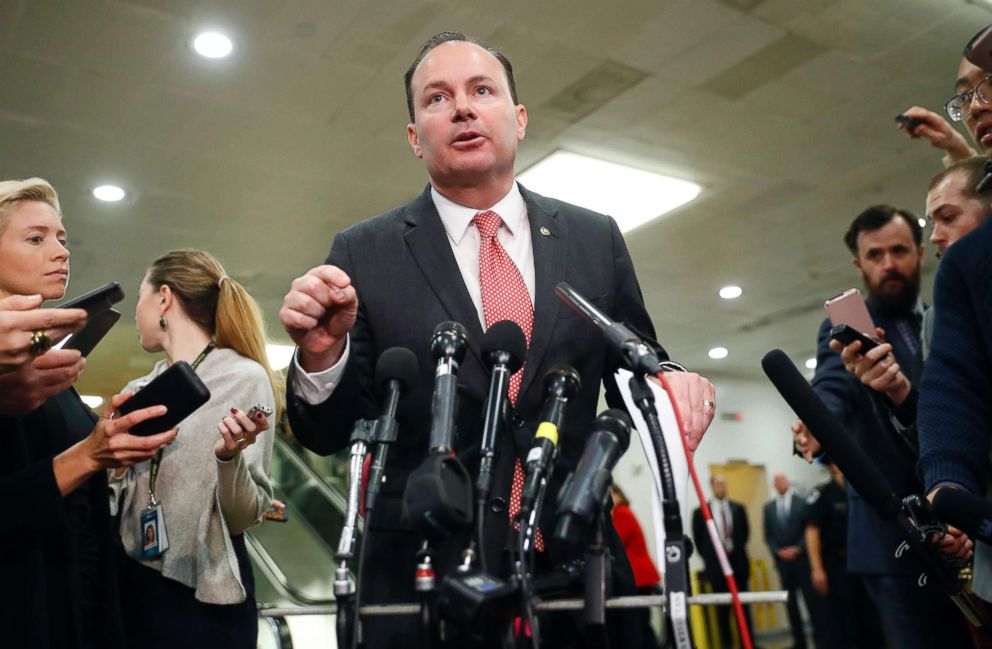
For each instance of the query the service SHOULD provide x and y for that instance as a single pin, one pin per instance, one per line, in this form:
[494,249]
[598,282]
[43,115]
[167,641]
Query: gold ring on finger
[241,441]
[40,342]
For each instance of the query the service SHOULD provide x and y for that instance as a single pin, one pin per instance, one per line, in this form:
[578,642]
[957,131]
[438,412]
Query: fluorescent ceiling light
[731,292]
[91,400]
[718,352]
[280,356]
[213,45]
[109,193]
[631,196]
[811,363]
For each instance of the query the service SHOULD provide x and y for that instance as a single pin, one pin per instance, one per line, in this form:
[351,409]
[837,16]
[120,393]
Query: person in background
[646,576]
[56,541]
[212,483]
[732,527]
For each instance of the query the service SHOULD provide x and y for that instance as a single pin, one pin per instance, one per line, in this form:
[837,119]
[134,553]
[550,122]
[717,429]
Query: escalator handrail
[278,578]
[330,492]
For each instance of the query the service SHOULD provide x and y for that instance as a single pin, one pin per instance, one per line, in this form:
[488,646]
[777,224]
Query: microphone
[503,349]
[638,357]
[966,511]
[585,491]
[560,385]
[395,373]
[448,343]
[863,475]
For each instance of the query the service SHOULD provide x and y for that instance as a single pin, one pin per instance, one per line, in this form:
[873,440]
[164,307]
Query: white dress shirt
[465,242]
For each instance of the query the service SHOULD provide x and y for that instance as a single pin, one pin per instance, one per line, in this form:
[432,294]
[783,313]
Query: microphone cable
[728,574]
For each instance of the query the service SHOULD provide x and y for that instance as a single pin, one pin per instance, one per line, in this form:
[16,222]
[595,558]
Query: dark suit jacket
[408,281]
[793,532]
[739,534]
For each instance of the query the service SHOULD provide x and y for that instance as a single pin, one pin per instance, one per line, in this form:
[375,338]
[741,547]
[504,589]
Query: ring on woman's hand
[709,404]
[40,343]
[241,441]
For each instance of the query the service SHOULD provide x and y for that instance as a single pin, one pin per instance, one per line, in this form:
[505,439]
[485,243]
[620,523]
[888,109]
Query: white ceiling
[781,109]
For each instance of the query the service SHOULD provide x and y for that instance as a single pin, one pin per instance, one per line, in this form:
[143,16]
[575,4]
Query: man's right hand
[24,390]
[804,442]
[317,313]
[819,578]
[939,132]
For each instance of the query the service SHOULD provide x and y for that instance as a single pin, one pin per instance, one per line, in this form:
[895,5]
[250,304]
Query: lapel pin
[545,231]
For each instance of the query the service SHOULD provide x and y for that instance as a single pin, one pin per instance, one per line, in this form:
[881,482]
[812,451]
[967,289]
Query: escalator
[294,561]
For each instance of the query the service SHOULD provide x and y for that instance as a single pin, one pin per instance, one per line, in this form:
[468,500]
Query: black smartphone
[96,328]
[846,334]
[96,301]
[178,388]
[979,49]
[909,122]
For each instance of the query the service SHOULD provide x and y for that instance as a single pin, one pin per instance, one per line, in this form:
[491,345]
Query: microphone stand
[596,561]
[677,550]
[345,590]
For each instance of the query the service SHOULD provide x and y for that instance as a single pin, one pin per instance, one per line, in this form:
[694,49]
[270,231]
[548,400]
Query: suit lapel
[429,247]
[549,237]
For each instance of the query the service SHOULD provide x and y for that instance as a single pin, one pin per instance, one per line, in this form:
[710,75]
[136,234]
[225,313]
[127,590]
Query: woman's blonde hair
[219,305]
[12,192]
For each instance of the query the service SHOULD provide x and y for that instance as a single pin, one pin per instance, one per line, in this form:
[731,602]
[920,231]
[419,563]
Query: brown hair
[219,305]
[12,192]
[972,171]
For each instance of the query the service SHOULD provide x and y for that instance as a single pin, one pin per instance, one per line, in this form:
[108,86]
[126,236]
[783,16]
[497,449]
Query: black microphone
[586,490]
[966,511]
[395,373]
[448,343]
[560,385]
[503,349]
[863,475]
[638,357]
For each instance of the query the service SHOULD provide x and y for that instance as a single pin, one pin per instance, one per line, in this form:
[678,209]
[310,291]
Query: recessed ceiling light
[280,356]
[718,352]
[631,196]
[91,400]
[213,45]
[922,222]
[731,292]
[811,363]
[109,193]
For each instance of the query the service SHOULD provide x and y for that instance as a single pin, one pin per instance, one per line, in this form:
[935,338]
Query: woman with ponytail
[183,514]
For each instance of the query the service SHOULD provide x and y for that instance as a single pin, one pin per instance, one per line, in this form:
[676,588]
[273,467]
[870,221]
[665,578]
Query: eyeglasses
[959,106]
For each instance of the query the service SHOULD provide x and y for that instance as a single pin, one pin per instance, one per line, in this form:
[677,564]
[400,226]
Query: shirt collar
[457,219]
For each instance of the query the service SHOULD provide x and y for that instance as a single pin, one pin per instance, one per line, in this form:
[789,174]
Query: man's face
[719,486]
[951,213]
[781,484]
[890,264]
[466,125]
[978,119]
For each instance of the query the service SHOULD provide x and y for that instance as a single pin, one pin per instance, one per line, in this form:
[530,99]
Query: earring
[163,323]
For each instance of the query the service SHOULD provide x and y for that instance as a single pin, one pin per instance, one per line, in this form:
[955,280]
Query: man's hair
[450,37]
[972,171]
[875,218]
[12,192]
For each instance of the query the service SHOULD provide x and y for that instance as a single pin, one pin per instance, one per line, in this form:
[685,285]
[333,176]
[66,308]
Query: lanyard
[157,460]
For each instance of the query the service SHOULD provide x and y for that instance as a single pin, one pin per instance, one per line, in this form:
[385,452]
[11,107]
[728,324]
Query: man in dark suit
[785,534]
[389,280]
[732,527]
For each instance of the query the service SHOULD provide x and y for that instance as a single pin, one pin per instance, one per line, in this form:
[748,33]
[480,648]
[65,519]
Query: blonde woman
[203,491]
[57,560]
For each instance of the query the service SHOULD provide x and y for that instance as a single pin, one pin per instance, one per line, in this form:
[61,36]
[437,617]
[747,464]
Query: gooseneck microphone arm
[863,475]
[448,344]
[346,625]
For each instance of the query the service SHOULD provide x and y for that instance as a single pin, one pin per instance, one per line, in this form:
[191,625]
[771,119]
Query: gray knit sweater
[204,500]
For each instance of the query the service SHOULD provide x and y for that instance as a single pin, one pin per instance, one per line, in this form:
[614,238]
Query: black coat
[56,554]
[793,532]
[408,281]
[740,531]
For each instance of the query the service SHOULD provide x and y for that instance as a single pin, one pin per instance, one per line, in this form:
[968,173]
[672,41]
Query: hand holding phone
[846,334]
[178,388]
[849,308]
[96,328]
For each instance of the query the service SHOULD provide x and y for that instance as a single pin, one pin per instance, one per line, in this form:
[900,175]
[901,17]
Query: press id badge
[154,538]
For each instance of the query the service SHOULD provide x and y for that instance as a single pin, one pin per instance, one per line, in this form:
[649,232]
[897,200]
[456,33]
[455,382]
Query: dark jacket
[740,531]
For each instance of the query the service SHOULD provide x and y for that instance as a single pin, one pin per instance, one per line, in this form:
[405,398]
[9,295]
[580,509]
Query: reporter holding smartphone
[56,543]
[211,484]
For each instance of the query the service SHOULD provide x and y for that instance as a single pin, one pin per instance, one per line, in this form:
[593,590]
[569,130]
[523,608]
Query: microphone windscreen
[505,336]
[965,511]
[396,364]
[863,475]
[617,422]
